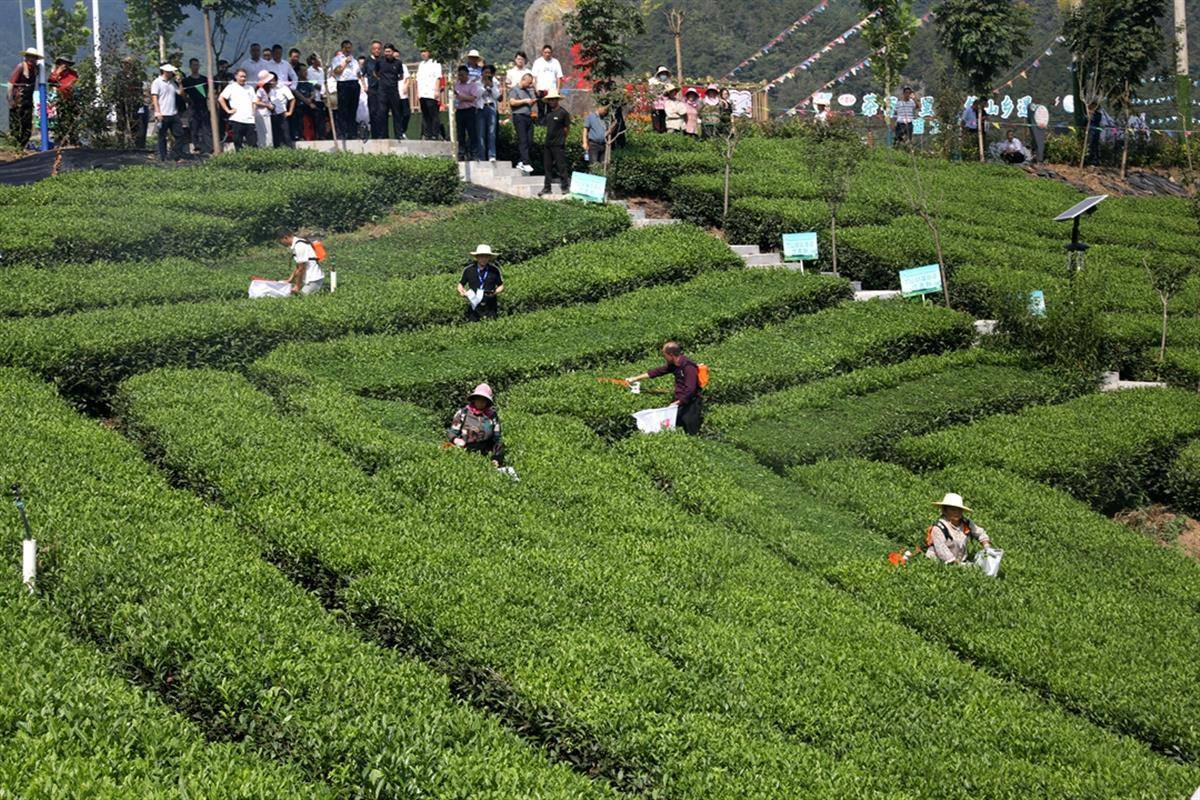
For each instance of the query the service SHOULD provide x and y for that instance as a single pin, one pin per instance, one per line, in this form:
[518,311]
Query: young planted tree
[325,30]
[64,30]
[926,202]
[983,38]
[152,23]
[215,13]
[1114,43]
[838,158]
[1167,276]
[443,27]
[889,35]
[675,26]
[604,31]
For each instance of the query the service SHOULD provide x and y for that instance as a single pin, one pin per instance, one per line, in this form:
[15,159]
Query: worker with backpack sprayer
[308,253]
[690,380]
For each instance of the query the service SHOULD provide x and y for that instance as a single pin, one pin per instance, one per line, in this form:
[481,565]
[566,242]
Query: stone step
[651,221]
[414,147]
[877,294]
[745,249]
[985,327]
[763,260]
[1111,382]
[635,213]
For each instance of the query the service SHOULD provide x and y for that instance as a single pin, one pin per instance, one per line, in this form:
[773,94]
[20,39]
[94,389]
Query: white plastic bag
[264,288]
[475,297]
[656,420]
[363,116]
[988,560]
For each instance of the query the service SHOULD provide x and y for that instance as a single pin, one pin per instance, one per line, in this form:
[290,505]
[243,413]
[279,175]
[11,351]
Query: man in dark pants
[429,76]
[554,151]
[20,97]
[166,95]
[344,69]
[688,393]
[391,73]
[480,284]
[374,89]
[195,86]
[223,78]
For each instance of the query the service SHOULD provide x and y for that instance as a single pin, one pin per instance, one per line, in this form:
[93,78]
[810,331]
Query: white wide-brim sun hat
[483,250]
[952,499]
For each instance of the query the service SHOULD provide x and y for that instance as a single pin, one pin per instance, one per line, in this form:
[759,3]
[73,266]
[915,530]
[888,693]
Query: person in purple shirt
[688,396]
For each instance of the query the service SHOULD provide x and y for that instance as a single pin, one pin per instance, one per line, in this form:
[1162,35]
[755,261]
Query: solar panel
[1081,208]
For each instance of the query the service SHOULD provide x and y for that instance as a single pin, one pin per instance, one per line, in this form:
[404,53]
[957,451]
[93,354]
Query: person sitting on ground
[946,540]
[688,394]
[307,277]
[1011,149]
[480,284]
[476,426]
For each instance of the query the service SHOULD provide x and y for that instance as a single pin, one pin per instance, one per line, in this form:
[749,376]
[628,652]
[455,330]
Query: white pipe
[29,563]
[21,21]
[43,116]
[96,40]
[332,281]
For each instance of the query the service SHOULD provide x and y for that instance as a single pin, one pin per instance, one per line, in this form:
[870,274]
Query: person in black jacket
[392,73]
[480,284]
[554,151]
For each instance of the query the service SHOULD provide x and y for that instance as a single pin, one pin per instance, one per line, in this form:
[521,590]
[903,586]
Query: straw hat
[474,54]
[483,250]
[552,95]
[954,500]
[482,390]
[32,51]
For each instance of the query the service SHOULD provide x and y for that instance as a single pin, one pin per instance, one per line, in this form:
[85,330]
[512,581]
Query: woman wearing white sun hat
[480,283]
[946,539]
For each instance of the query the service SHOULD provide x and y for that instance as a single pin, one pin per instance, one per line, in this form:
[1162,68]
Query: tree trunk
[980,121]
[937,245]
[451,122]
[1087,133]
[679,57]
[162,48]
[728,169]
[333,131]
[833,241]
[214,120]
[1125,150]
[1162,345]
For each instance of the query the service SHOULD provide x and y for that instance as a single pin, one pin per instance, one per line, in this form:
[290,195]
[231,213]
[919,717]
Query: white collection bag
[264,288]
[988,560]
[656,420]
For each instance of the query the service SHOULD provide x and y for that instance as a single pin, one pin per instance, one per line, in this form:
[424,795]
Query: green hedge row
[184,602]
[764,221]
[1111,450]
[74,728]
[211,210]
[435,367]
[624,622]
[86,354]
[1086,612]
[753,361]
[1183,479]
[1132,340]
[826,420]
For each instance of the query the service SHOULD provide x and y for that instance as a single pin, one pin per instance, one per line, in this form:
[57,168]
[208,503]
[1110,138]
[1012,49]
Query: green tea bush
[617,618]
[1131,340]
[641,172]
[1183,479]
[1085,612]
[763,221]
[184,602]
[71,722]
[87,353]
[434,367]
[805,348]
[1111,450]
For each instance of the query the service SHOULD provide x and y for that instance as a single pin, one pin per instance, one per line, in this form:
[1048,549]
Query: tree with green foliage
[64,30]
[983,38]
[325,30]
[1168,276]
[889,34]
[443,27]
[838,158]
[604,31]
[152,23]
[1114,42]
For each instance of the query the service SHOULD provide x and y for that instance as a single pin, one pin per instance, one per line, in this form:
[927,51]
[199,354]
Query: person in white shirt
[255,63]
[238,101]
[520,67]
[165,92]
[283,106]
[547,74]
[345,70]
[282,69]
[905,111]
[1011,149]
[307,277]
[429,79]
[264,106]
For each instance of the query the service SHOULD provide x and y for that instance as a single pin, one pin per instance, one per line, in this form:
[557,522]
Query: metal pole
[21,21]
[96,41]
[214,120]
[43,113]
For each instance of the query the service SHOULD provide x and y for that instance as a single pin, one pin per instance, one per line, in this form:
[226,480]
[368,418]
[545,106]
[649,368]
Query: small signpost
[588,187]
[800,247]
[920,281]
[1037,303]
[28,546]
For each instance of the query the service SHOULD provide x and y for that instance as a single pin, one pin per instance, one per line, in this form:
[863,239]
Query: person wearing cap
[554,149]
[344,69]
[905,111]
[946,540]
[481,282]
[688,392]
[710,112]
[676,110]
[658,89]
[307,276]
[476,426]
[522,105]
[240,102]
[165,92]
[195,86]
[547,77]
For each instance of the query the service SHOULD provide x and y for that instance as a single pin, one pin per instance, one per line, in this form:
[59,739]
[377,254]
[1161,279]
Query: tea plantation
[261,574]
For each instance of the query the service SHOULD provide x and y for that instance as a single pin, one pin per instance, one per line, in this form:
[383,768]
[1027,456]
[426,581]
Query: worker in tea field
[481,282]
[946,539]
[688,390]
[307,277]
[21,85]
[476,426]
